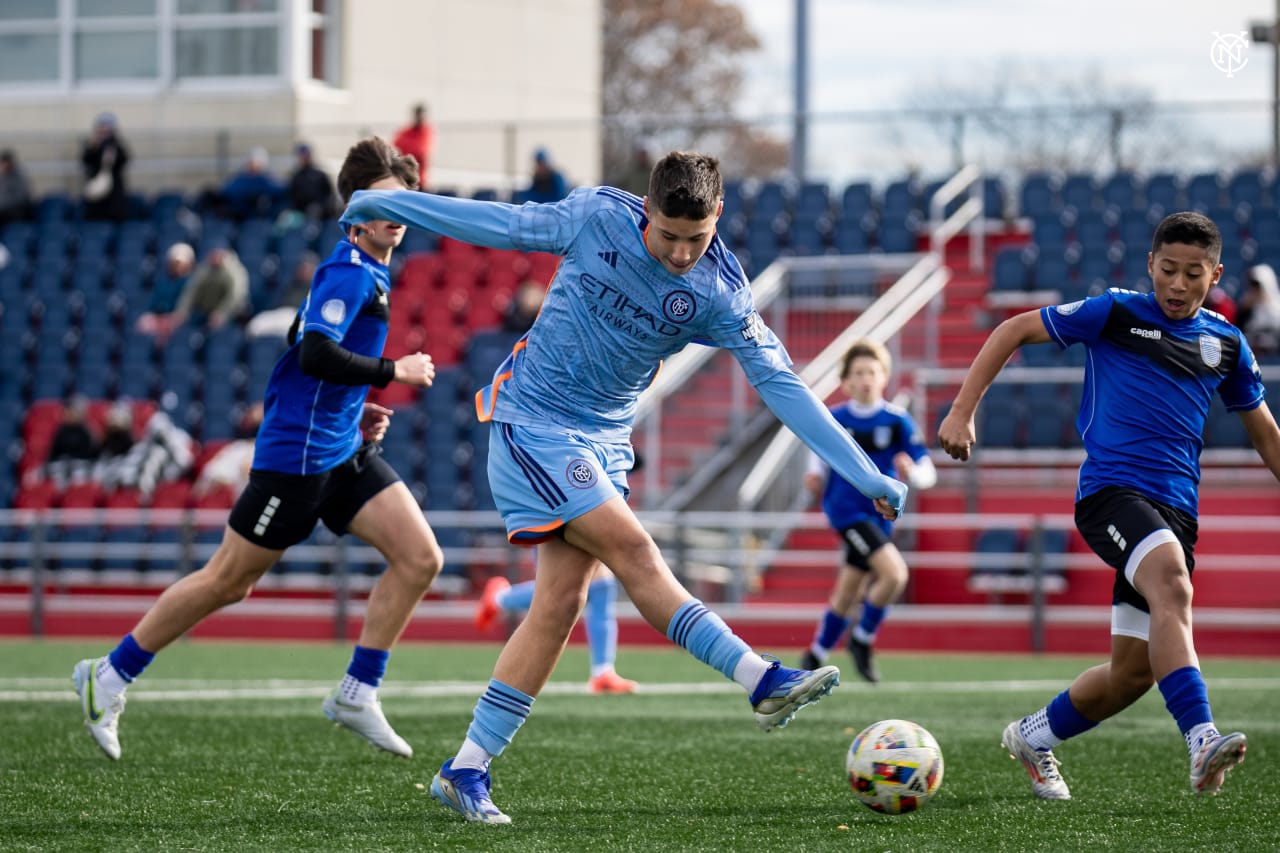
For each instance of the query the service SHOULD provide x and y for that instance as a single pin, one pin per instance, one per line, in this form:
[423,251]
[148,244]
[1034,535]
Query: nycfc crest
[1210,350]
[678,307]
[580,474]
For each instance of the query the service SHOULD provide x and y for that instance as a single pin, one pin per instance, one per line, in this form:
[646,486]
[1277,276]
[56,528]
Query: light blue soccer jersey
[1148,383]
[613,313]
[309,425]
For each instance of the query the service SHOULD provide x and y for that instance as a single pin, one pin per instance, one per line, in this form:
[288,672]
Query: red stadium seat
[123,499]
[83,496]
[173,494]
[40,495]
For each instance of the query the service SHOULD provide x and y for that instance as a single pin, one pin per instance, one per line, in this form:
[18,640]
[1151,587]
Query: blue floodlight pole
[800,74]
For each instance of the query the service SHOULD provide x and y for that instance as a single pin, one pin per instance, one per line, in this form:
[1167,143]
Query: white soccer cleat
[1211,762]
[367,721]
[1041,765]
[101,709]
[783,691]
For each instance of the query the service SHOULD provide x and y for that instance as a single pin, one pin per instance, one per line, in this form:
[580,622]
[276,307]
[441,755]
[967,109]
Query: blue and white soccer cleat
[783,691]
[101,710]
[466,791]
[1215,757]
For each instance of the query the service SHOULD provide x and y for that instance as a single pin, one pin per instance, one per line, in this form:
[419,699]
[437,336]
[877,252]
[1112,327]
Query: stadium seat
[1120,192]
[1204,192]
[856,201]
[994,200]
[1248,186]
[901,199]
[1165,191]
[1009,271]
[1040,195]
[850,238]
[1080,192]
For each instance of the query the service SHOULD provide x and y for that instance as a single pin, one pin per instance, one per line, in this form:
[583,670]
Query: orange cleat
[488,609]
[611,682]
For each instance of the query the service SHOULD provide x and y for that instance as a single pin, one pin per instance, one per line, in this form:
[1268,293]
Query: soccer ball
[894,766]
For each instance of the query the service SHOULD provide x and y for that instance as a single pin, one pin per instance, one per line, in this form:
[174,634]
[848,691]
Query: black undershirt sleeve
[323,358]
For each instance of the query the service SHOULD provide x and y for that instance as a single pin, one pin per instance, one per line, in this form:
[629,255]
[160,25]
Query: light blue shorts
[542,479]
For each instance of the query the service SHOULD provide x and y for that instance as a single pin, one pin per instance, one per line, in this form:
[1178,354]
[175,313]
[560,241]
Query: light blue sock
[517,598]
[602,622]
[705,636]
[499,714]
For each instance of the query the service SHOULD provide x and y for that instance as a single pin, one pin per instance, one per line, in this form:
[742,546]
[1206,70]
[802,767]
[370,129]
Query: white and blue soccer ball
[894,766]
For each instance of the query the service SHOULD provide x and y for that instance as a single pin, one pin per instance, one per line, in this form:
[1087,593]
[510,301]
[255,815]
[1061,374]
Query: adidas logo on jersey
[611,258]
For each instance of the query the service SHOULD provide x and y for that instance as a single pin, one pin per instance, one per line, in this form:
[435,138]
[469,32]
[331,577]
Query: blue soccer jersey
[1148,383]
[882,430]
[310,425]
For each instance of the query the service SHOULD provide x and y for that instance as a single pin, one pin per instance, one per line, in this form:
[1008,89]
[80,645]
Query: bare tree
[672,74]
[1031,116]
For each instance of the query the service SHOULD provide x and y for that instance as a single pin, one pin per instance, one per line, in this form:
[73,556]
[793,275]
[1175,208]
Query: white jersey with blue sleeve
[1148,384]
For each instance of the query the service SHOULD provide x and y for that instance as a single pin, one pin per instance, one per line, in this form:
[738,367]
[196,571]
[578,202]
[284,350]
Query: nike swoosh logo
[92,709]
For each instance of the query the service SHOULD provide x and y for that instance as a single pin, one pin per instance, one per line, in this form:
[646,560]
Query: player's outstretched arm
[797,407]
[482,223]
[1265,435]
[956,432]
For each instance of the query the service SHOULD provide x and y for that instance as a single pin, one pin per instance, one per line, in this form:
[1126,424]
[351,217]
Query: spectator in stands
[117,441]
[635,179]
[316,459]
[250,192]
[548,184]
[74,446]
[417,139]
[310,190]
[874,573]
[524,306]
[566,421]
[104,158]
[229,467]
[15,190]
[275,322]
[166,289]
[216,292]
[1219,300]
[1259,310]
[164,453]
[1154,362]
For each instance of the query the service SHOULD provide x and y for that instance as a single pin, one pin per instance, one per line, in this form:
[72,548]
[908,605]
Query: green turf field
[225,749]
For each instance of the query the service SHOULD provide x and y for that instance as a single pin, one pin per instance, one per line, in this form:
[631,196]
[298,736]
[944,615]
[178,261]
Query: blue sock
[1186,697]
[518,597]
[602,622]
[705,636]
[870,621]
[1064,720]
[368,665]
[499,714]
[831,629]
[129,659]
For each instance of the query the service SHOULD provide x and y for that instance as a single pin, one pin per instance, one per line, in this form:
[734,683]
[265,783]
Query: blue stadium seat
[1165,190]
[1051,271]
[1120,191]
[901,199]
[1247,186]
[1009,271]
[807,239]
[856,201]
[54,207]
[1049,232]
[850,238]
[1040,195]
[1204,192]
[770,200]
[994,201]
[813,202]
[1080,192]
[1092,229]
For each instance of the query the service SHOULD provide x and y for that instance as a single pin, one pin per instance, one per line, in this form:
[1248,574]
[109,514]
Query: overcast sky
[870,54]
